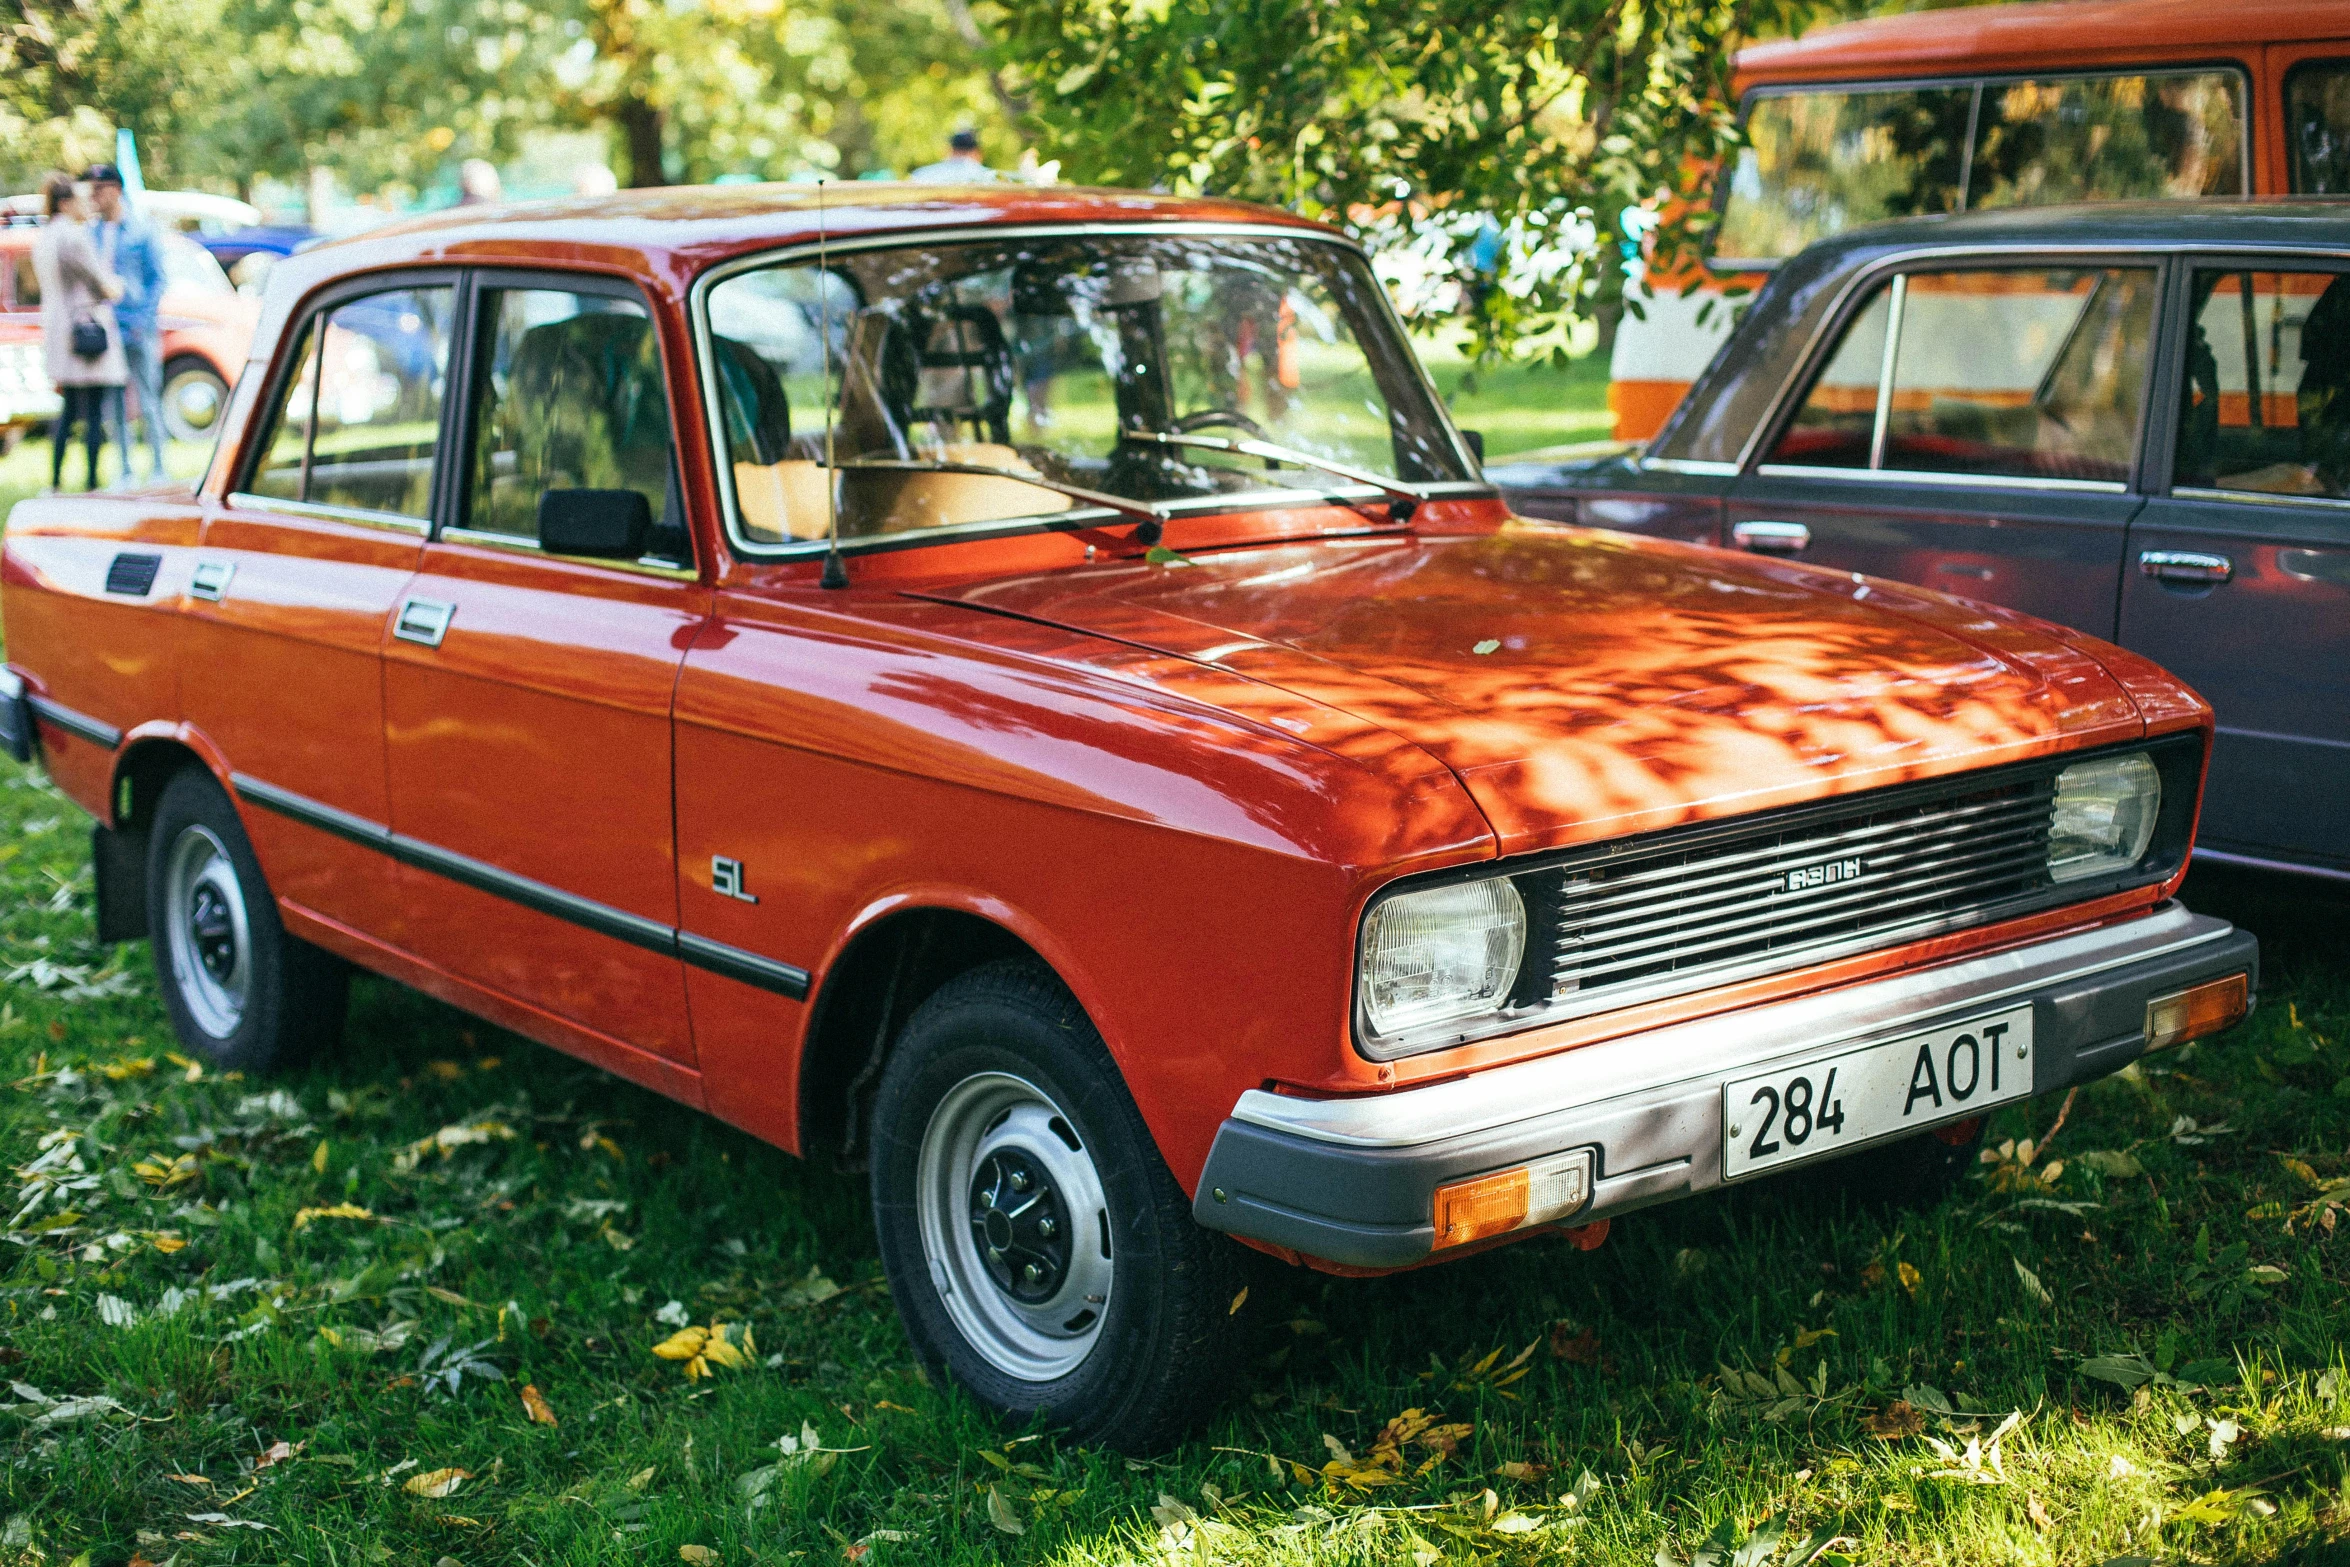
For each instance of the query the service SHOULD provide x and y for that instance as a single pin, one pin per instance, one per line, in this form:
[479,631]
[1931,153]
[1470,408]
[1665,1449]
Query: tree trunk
[640,129]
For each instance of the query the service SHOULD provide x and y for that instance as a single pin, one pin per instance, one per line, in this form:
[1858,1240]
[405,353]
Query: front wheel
[1039,1250]
[241,992]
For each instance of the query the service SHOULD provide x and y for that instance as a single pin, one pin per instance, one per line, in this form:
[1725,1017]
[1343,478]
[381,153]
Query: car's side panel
[534,739]
[282,666]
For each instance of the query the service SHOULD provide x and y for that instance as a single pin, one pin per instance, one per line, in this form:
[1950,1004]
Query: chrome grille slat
[1929,858]
[1744,891]
[2034,805]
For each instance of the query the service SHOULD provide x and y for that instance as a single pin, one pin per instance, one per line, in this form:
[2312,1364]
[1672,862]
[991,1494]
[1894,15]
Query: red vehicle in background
[207,331]
[1997,106]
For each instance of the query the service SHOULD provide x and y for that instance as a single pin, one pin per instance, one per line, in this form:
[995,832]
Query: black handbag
[89,340]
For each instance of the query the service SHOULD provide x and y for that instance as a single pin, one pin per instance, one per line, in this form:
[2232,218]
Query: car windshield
[977,383]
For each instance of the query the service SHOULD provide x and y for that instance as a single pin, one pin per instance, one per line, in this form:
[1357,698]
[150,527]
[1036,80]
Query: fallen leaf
[642,1478]
[1581,1349]
[1805,1338]
[278,1453]
[341,1210]
[699,1555]
[1909,1278]
[535,1405]
[2032,1285]
[1160,555]
[434,1484]
[318,1159]
[1528,1473]
[1238,1301]
[2038,1514]
[1489,645]
[1001,1514]
[813,1290]
[189,1479]
[1898,1419]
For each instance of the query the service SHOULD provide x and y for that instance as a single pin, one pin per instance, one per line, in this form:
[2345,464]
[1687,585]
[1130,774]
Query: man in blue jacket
[135,250]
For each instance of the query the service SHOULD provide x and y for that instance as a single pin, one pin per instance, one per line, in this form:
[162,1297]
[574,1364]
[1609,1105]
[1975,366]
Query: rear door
[1972,428]
[2240,574]
[527,696]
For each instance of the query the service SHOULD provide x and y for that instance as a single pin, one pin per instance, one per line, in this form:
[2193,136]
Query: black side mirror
[1476,444]
[606,524]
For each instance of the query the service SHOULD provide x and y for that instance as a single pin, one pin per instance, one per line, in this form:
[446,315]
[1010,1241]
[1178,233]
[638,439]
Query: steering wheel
[1208,418]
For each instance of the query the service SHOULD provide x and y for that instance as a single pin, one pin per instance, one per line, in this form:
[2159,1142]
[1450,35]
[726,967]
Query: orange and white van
[1996,106]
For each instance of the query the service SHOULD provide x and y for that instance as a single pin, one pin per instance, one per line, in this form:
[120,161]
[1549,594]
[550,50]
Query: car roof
[2262,223]
[2076,34]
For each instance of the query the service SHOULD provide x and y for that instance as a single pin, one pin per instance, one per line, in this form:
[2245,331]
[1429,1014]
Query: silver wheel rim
[192,401]
[1015,1226]
[211,945]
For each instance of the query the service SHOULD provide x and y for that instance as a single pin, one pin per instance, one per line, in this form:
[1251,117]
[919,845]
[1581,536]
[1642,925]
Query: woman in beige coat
[78,290]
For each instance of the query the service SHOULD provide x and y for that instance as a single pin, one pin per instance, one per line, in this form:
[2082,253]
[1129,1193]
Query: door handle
[211,579]
[2185,566]
[424,621]
[1771,538]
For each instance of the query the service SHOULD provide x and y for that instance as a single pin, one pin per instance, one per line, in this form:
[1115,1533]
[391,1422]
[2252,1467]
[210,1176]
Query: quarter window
[2317,127]
[358,422]
[2266,401]
[569,395]
[2009,372]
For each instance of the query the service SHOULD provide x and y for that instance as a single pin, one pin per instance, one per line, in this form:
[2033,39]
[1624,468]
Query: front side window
[2265,407]
[2018,372]
[569,394]
[968,383]
[358,421]
[1823,159]
[2317,127]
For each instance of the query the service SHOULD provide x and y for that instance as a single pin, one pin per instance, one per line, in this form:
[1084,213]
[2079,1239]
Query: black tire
[242,993]
[1915,1173]
[195,396]
[1152,1363]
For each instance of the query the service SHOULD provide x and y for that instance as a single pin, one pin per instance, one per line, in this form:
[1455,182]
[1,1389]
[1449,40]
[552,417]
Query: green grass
[1523,407]
[556,1249]
[25,471]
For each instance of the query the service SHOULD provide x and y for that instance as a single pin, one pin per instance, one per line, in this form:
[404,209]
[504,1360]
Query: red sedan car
[1027,689]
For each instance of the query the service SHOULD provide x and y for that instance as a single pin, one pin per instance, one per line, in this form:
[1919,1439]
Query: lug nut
[1019,1180]
[1031,1273]
[1044,1227]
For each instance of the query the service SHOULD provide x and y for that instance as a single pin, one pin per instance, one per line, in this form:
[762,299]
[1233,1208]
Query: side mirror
[605,524]
[1476,444]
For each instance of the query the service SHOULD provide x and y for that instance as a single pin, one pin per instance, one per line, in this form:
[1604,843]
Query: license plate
[1825,1106]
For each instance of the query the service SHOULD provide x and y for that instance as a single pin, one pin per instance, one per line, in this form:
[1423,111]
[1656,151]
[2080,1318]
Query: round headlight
[1441,955]
[2104,816]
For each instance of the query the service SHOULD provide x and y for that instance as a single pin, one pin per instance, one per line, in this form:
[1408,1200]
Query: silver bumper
[1353,1180]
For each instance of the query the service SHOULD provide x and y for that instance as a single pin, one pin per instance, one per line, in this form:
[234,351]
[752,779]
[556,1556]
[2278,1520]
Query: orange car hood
[1584,685]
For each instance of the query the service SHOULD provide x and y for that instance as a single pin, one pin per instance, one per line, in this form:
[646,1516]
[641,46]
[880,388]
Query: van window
[1819,161]
[2317,127]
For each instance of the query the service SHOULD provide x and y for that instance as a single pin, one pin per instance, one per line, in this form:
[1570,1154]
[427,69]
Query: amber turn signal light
[1508,1200]
[2193,1014]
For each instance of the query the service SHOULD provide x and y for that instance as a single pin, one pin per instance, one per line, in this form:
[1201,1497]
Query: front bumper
[1353,1181]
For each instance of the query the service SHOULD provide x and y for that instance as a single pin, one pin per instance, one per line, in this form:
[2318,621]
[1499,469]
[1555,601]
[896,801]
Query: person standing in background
[129,244]
[79,338]
[961,166]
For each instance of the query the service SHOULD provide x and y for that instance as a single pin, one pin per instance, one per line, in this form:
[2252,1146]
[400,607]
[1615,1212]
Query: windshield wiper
[1404,495]
[1152,516]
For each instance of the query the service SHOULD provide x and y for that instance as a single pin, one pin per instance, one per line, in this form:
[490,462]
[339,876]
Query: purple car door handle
[2186,566]
[1771,538]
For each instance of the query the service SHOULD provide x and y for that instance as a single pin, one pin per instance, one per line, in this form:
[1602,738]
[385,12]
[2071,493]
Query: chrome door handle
[2185,566]
[211,579]
[1771,538]
[424,621]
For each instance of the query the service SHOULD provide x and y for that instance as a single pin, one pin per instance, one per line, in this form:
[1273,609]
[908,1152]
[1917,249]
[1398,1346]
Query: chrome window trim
[734,962]
[643,565]
[1696,467]
[713,426]
[2008,254]
[1977,85]
[2191,492]
[1966,480]
[245,500]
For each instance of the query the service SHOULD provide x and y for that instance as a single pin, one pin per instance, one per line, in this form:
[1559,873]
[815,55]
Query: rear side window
[358,423]
[2317,127]
[1823,159]
[2266,402]
[2014,372]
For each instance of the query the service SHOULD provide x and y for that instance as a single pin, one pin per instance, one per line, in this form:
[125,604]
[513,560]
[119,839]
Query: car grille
[1702,906]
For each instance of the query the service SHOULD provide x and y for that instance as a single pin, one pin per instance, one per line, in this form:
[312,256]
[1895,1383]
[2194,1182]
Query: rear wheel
[194,397]
[1039,1250]
[241,992]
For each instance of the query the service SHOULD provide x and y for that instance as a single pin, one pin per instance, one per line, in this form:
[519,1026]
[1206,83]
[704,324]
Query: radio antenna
[836,574]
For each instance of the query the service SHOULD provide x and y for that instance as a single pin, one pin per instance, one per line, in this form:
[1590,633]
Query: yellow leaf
[535,1405]
[1805,1338]
[165,1174]
[446,1071]
[684,1344]
[720,1353]
[318,1159]
[434,1484]
[136,1066]
[167,1243]
[642,1478]
[341,1210]
[1238,1301]
[1909,1278]
[699,1555]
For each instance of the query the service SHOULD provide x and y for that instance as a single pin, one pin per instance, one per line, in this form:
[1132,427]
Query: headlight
[2104,816]
[1444,954]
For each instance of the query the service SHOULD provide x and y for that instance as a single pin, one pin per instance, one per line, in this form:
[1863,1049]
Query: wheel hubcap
[211,943]
[1016,1226]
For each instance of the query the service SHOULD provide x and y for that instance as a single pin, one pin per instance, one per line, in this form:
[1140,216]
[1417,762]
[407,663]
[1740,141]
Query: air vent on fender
[133,573]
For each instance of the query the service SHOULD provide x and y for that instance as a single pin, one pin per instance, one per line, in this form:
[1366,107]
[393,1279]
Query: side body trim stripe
[733,962]
[80,725]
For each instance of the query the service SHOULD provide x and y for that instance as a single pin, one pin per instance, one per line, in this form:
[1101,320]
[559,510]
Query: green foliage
[1444,126]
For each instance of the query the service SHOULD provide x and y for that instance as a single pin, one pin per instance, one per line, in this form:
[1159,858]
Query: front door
[527,696]
[2240,576]
[1973,430]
